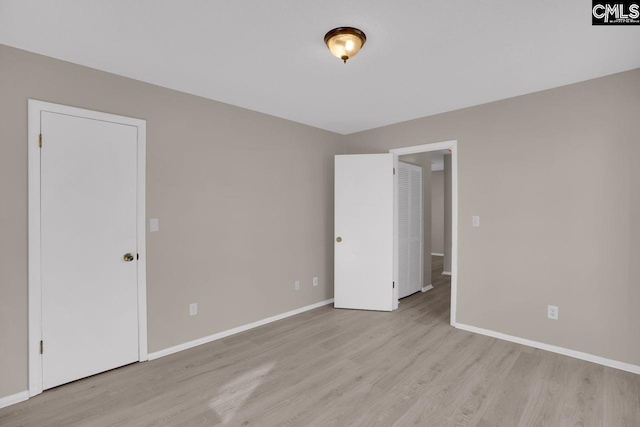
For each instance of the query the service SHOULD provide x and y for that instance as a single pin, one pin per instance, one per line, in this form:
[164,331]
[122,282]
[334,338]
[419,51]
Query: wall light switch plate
[475,221]
[193,309]
[154,224]
[552,312]
[297,285]
[315,281]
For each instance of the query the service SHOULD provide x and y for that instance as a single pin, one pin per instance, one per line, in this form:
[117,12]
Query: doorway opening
[366,239]
[440,157]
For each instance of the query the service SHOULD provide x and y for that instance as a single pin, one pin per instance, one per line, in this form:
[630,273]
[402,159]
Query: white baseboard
[13,399]
[223,334]
[434,254]
[446,273]
[427,288]
[552,348]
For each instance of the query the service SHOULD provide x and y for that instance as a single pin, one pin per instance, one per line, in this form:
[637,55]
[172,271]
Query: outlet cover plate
[193,309]
[552,312]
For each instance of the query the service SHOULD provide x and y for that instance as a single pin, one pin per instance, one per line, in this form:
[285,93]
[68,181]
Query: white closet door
[409,229]
[88,220]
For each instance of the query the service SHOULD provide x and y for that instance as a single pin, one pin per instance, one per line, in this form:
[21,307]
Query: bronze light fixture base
[345,42]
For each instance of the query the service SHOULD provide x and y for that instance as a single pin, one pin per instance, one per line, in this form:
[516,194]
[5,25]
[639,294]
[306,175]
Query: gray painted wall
[245,203]
[437,212]
[554,177]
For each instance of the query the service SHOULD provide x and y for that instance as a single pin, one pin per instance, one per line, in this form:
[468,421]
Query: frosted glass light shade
[345,42]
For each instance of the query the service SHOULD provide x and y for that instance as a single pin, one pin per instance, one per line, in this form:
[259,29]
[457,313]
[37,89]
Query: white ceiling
[422,57]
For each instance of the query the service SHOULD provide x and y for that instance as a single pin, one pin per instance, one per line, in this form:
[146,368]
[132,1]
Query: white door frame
[424,148]
[35,284]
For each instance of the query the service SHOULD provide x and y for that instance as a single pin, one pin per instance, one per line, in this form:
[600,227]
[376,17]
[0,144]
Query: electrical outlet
[154,224]
[193,309]
[315,281]
[475,221]
[552,312]
[296,286]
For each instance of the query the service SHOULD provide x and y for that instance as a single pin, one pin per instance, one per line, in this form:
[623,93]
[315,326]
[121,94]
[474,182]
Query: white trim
[424,148]
[396,217]
[453,146]
[446,273]
[427,288]
[553,348]
[35,109]
[13,399]
[34,291]
[435,254]
[141,227]
[228,332]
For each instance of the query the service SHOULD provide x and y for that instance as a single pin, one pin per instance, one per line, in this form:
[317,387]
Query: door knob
[339,239]
[128,257]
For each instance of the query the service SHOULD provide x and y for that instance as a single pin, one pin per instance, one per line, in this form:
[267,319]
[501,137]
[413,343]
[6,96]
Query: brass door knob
[339,239]
[128,257]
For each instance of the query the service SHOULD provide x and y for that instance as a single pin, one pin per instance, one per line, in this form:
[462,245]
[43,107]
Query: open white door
[364,213]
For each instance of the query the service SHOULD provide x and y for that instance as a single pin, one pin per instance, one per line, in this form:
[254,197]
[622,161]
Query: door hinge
[137,256]
[394,285]
[394,169]
[41,347]
[40,141]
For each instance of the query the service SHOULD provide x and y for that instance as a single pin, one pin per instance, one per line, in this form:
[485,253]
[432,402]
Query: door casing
[35,108]
[424,148]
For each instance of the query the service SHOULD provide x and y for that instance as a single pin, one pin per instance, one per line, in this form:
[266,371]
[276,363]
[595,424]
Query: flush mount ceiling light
[345,42]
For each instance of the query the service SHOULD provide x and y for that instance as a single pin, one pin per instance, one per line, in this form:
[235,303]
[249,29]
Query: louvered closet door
[409,229]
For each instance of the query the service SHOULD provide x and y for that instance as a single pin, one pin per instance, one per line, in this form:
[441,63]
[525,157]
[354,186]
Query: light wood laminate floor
[348,368]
